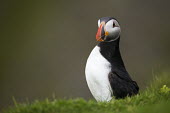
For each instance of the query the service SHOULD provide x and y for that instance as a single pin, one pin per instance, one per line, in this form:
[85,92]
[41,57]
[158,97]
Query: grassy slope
[154,99]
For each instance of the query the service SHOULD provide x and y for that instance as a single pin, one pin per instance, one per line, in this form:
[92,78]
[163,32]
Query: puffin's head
[108,29]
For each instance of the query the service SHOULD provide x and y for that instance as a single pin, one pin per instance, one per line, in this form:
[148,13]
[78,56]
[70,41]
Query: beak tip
[99,39]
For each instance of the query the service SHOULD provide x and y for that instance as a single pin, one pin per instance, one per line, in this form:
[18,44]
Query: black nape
[120,80]
[106,19]
[110,50]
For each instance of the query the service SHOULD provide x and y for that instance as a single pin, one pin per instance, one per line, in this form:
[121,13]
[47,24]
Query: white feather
[99,23]
[97,70]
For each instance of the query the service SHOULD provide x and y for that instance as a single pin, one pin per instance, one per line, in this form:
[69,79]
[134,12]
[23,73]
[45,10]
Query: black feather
[120,80]
[106,19]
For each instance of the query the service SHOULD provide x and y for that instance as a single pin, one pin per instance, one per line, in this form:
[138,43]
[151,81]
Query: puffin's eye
[114,24]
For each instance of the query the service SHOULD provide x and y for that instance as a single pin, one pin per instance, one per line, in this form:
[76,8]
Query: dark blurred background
[44,45]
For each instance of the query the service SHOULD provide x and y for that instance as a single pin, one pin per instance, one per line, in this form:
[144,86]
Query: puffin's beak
[100,33]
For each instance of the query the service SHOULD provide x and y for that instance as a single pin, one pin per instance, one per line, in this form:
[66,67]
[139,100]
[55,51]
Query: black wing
[122,85]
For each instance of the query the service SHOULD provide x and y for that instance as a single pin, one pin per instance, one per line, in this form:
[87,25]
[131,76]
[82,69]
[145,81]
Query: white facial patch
[109,25]
[113,30]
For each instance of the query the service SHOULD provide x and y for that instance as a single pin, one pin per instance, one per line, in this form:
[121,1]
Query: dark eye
[114,24]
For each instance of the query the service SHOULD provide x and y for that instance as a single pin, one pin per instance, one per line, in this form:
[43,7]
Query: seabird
[105,71]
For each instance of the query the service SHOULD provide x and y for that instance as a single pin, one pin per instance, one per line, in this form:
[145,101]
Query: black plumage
[106,19]
[120,81]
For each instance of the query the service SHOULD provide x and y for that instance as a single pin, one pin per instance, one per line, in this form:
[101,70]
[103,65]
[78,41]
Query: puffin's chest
[97,66]
[97,70]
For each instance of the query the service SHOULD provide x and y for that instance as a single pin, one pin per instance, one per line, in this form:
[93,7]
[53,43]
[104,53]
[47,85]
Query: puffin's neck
[110,50]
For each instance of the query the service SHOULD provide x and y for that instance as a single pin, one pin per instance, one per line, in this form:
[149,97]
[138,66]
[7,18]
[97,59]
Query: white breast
[97,70]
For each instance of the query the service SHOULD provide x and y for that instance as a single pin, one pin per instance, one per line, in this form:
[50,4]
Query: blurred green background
[44,45]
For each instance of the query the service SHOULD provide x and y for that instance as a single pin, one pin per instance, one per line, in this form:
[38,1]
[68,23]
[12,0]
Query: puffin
[105,72]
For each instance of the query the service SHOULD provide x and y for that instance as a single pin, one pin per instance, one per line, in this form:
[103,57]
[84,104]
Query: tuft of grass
[155,99]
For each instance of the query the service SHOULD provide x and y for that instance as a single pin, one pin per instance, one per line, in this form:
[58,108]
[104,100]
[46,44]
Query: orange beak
[100,33]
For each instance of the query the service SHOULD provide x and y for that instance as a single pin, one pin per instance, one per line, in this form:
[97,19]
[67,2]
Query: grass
[155,99]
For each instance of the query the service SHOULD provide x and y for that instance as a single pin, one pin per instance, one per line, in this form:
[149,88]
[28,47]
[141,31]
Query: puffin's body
[105,71]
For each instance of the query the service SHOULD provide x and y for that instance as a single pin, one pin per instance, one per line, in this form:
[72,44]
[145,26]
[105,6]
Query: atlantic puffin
[105,71]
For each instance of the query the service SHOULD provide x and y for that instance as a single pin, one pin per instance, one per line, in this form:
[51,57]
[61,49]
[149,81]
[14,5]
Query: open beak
[100,33]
